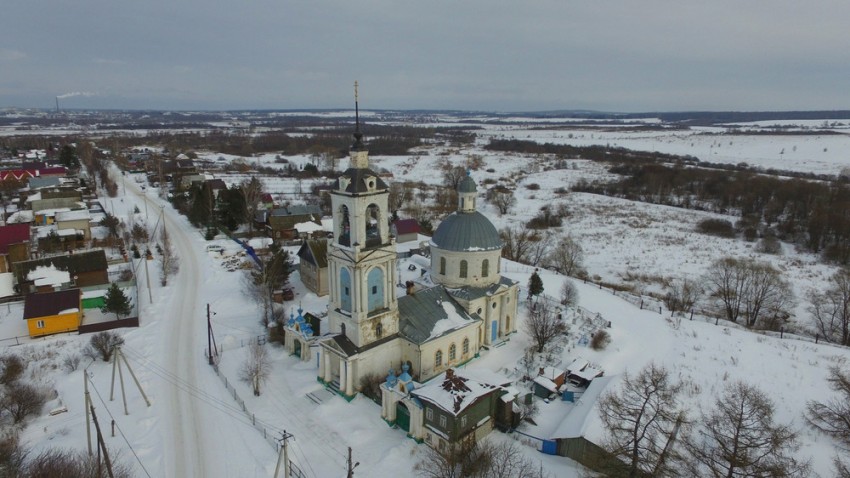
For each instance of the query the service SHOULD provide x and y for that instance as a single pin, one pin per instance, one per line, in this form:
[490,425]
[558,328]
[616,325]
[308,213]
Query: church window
[442,266]
[429,414]
[452,352]
[373,237]
[479,311]
[375,279]
[465,346]
[494,305]
[342,329]
[485,268]
[438,358]
[345,287]
[463,267]
[507,322]
[379,330]
[443,421]
[345,228]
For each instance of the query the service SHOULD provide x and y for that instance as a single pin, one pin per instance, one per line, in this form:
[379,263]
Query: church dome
[467,232]
[467,185]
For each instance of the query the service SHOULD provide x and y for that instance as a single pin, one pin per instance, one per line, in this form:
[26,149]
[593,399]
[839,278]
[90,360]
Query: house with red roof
[14,245]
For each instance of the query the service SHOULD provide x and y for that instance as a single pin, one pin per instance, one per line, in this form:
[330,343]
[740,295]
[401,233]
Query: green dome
[467,232]
[467,185]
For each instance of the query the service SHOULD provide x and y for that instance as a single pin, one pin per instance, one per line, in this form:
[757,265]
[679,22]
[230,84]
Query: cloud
[11,55]
[76,93]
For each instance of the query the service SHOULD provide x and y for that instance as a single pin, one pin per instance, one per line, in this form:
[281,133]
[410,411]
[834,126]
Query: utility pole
[117,357]
[283,456]
[350,466]
[101,444]
[87,405]
[212,348]
[148,278]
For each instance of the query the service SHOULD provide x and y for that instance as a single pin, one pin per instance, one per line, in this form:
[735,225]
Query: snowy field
[193,410]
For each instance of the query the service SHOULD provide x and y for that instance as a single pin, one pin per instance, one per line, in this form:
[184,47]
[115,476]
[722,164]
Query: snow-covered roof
[583,369]
[308,227]
[20,217]
[546,383]
[452,392]
[77,215]
[48,275]
[44,231]
[551,373]
[7,282]
[576,422]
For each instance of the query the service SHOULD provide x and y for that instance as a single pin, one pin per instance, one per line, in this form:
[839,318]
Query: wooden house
[577,434]
[53,312]
[78,220]
[314,265]
[84,269]
[405,230]
[282,221]
[14,245]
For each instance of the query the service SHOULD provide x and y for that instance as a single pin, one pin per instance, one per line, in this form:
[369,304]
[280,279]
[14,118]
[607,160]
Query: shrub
[569,293]
[103,344]
[533,187]
[716,227]
[769,244]
[600,340]
[22,400]
[71,362]
[13,368]
[370,386]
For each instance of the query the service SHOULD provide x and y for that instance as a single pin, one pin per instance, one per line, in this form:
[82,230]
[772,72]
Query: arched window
[466,346]
[463,267]
[443,266]
[452,353]
[485,268]
[375,281]
[438,358]
[379,330]
[345,290]
[342,329]
[373,217]
[345,227]
[508,323]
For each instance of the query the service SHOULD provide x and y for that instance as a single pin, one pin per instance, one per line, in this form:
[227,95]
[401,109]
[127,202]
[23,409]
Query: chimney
[542,371]
[409,285]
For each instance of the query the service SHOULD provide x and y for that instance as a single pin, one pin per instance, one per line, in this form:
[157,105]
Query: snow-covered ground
[196,427]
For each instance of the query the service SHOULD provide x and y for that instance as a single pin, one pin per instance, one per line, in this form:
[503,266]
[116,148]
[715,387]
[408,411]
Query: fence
[269,437]
[109,325]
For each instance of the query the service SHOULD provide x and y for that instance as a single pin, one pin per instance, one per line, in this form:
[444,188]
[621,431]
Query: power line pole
[212,348]
[101,445]
[87,405]
[350,466]
[283,456]
[118,357]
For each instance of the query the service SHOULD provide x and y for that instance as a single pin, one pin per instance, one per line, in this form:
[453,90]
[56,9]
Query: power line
[120,431]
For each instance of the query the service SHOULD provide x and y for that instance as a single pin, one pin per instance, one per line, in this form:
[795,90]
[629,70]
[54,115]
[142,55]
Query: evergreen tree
[200,212]
[68,156]
[231,208]
[116,302]
[535,285]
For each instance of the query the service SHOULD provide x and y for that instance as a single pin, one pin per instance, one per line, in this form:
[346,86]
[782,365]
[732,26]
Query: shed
[573,438]
[405,230]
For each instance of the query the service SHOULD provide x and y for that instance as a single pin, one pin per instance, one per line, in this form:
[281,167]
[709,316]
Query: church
[442,321]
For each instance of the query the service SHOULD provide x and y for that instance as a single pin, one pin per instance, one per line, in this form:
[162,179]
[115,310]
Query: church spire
[358,136]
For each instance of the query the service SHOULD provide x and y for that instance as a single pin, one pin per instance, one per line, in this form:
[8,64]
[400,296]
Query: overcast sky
[613,55]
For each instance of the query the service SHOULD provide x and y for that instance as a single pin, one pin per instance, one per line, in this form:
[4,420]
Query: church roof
[430,313]
[467,232]
[453,392]
[357,184]
[467,185]
[471,293]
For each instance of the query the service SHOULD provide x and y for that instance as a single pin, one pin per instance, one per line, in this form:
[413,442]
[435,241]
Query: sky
[493,55]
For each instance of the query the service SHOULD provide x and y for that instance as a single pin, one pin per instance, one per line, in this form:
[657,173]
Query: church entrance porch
[402,417]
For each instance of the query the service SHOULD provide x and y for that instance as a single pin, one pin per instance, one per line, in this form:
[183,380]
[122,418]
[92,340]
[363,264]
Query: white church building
[443,321]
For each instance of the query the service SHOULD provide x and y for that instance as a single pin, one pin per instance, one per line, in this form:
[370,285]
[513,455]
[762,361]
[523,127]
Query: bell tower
[362,256]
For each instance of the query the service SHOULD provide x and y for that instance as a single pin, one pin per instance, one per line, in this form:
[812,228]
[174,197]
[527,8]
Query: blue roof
[467,231]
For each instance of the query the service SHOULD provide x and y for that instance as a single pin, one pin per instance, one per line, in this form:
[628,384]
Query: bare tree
[252,191]
[641,420]
[20,400]
[543,325]
[257,367]
[518,243]
[170,262]
[750,290]
[508,461]
[539,247]
[501,197]
[740,438]
[567,256]
[832,417]
[399,195]
[471,459]
[569,293]
[452,175]
[59,463]
[831,309]
[682,296]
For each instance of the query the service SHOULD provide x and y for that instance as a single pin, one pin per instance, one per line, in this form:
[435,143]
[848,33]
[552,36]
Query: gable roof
[13,234]
[406,226]
[430,313]
[51,303]
[73,263]
[315,251]
[581,417]
[453,393]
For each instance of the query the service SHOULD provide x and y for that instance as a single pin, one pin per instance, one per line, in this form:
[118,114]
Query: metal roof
[469,293]
[420,312]
[357,184]
[51,303]
[467,185]
[467,232]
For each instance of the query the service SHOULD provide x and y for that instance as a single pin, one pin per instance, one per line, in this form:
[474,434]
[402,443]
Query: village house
[53,312]
[282,222]
[405,230]
[83,269]
[78,221]
[14,245]
[313,265]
